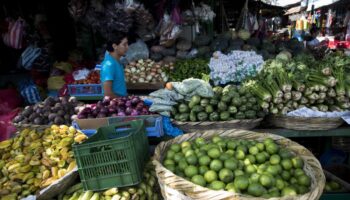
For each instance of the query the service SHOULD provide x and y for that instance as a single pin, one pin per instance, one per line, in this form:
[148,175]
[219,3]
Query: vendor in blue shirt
[112,71]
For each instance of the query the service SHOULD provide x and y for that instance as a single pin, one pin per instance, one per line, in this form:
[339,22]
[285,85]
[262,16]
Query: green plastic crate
[113,157]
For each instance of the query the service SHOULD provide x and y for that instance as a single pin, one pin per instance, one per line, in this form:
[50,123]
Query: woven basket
[168,179]
[306,123]
[219,125]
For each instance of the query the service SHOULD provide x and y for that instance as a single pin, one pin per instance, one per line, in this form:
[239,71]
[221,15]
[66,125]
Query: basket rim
[200,123]
[305,118]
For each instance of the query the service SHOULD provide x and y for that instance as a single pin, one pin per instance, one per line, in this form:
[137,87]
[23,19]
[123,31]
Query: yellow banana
[5,144]
[25,168]
[46,174]
[72,165]
[61,173]
[54,171]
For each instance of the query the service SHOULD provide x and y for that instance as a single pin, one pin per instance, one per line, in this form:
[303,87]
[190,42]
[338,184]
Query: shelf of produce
[144,86]
[335,196]
[342,131]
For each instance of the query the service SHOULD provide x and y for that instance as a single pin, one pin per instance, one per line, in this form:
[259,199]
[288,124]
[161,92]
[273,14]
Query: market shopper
[112,72]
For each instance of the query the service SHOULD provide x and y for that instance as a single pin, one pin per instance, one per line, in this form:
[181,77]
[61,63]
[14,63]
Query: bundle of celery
[286,85]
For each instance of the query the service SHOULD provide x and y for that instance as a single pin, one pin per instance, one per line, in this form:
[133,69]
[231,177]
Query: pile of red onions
[118,107]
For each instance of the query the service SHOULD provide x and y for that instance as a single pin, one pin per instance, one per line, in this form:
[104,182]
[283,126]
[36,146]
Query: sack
[14,36]
[29,56]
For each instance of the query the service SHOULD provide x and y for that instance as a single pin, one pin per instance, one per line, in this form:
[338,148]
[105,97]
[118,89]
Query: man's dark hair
[115,38]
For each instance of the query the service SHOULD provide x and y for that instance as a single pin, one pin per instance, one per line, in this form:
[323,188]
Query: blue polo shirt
[112,70]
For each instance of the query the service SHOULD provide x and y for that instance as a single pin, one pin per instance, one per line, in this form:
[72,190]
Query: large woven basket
[306,123]
[246,124]
[174,187]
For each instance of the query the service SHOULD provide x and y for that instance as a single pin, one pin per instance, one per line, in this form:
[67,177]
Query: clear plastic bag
[137,51]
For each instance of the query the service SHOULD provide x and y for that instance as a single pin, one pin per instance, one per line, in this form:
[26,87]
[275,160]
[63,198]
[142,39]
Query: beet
[135,101]
[134,113]
[121,114]
[128,111]
[101,115]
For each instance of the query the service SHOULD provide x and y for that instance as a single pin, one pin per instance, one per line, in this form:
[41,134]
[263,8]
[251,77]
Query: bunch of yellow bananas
[36,158]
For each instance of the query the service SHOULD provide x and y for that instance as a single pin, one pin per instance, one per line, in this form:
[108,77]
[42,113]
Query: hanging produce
[121,106]
[228,103]
[147,71]
[285,85]
[234,67]
[204,13]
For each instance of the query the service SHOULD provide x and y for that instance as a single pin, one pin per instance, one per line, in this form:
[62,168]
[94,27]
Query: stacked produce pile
[35,159]
[50,111]
[121,106]
[231,102]
[92,78]
[193,68]
[260,169]
[333,186]
[147,189]
[147,71]
[287,84]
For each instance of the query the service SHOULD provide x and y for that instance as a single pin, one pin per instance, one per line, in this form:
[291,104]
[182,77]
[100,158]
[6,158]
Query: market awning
[320,3]
[293,10]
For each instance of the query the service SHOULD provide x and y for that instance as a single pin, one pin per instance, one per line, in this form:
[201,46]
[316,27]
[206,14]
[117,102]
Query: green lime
[254,150]
[185,144]
[280,184]
[180,173]
[293,180]
[231,164]
[170,154]
[183,164]
[200,153]
[169,162]
[304,180]
[204,160]
[184,150]
[241,182]
[242,148]
[274,192]
[175,147]
[231,188]
[244,142]
[250,169]
[299,172]
[199,180]
[251,158]
[231,145]
[191,170]
[302,189]
[266,180]
[178,156]
[214,153]
[224,157]
[255,189]
[202,169]
[238,172]
[262,168]
[267,155]
[225,175]
[328,187]
[216,139]
[272,169]
[222,144]
[192,160]
[210,176]
[240,154]
[275,159]
[230,152]
[297,162]
[285,153]
[254,178]
[200,141]
[189,152]
[260,146]
[289,191]
[286,175]
[268,141]
[216,165]
[260,157]
[170,167]
[287,164]
[217,185]
[272,148]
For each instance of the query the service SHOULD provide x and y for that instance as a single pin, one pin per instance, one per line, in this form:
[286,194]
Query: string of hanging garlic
[147,71]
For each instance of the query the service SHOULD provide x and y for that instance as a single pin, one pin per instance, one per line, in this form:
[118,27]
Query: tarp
[320,3]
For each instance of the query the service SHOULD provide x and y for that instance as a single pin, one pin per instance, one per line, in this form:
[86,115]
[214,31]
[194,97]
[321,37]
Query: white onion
[142,68]
[153,73]
[149,77]
[133,70]
[141,80]
[159,71]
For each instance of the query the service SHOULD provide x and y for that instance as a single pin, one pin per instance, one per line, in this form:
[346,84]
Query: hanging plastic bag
[15,33]
[29,56]
[137,51]
[169,31]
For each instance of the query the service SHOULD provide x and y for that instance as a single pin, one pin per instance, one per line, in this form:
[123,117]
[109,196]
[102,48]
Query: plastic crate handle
[116,130]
